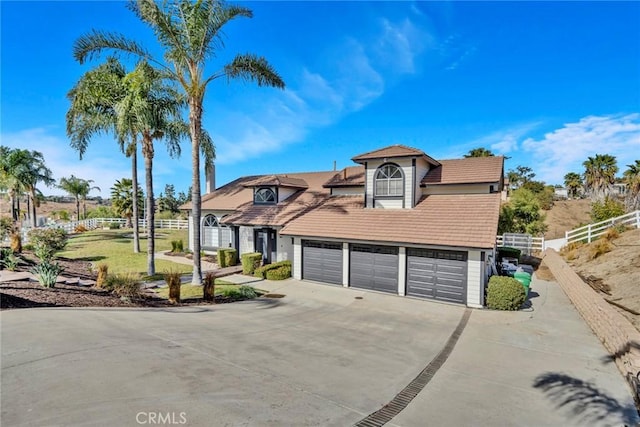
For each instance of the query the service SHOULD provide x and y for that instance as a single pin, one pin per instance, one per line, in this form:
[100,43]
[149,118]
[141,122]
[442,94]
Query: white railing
[593,231]
[92,223]
[525,242]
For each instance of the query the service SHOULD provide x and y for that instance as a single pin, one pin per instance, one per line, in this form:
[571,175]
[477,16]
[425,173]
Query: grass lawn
[115,248]
[190,291]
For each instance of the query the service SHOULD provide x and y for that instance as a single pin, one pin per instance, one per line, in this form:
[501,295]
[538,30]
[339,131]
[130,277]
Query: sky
[546,84]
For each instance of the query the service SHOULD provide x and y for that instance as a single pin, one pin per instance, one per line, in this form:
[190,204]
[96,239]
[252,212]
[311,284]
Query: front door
[266,244]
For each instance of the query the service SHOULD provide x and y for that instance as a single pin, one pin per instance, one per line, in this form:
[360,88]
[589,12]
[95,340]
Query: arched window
[389,181]
[265,196]
[210,231]
[210,221]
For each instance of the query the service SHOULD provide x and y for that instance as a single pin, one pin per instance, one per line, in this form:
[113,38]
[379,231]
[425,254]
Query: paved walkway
[321,355]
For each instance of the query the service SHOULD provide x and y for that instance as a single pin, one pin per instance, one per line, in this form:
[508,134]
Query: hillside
[46,208]
[618,270]
[566,215]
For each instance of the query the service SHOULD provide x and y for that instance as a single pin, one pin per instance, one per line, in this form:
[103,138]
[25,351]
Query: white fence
[525,242]
[91,223]
[593,231]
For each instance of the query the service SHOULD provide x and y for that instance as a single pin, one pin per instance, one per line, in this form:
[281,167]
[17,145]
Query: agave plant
[47,273]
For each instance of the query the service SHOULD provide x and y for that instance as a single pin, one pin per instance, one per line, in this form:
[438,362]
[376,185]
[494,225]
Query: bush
[222,259]
[599,247]
[279,273]
[509,253]
[209,287]
[123,285]
[240,293]
[261,272]
[114,226]
[6,226]
[250,261]
[47,273]
[15,242]
[47,241]
[177,246]
[173,281]
[610,208]
[505,293]
[80,229]
[230,257]
[8,260]
[611,234]
[103,270]
[101,212]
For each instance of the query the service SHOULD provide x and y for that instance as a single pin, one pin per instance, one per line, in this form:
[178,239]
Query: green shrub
[261,272]
[280,273]
[222,259]
[47,241]
[123,285]
[100,212]
[8,260]
[114,226]
[505,293]
[177,246]
[509,253]
[610,208]
[250,261]
[230,257]
[6,225]
[239,293]
[47,273]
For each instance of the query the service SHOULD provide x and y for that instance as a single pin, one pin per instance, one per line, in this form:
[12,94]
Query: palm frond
[253,68]
[91,45]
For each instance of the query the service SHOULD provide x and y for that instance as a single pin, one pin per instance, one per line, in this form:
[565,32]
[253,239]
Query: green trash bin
[524,278]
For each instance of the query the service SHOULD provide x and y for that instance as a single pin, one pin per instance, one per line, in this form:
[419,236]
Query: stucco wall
[475,279]
[246,240]
[459,189]
[297,258]
[284,248]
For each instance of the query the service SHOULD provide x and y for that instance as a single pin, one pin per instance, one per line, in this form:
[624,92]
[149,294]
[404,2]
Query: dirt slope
[46,208]
[619,269]
[566,215]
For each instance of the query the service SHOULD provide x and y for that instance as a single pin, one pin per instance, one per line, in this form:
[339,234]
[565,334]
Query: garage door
[374,267]
[439,275]
[322,261]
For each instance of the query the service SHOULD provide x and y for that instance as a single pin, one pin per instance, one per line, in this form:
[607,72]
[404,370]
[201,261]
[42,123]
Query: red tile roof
[393,151]
[351,176]
[468,220]
[466,171]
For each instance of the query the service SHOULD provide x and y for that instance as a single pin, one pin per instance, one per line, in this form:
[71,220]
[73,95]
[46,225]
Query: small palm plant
[47,273]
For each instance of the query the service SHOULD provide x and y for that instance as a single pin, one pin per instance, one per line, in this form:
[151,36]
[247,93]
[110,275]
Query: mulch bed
[30,294]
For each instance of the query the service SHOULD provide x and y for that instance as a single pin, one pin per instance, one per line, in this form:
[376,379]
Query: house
[399,222]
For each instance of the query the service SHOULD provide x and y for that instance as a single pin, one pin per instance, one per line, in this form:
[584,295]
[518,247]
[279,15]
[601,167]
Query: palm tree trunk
[134,182]
[84,208]
[195,128]
[28,200]
[12,202]
[18,207]
[34,222]
[147,152]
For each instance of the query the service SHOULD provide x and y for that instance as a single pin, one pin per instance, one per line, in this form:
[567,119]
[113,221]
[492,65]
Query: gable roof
[278,181]
[299,203]
[461,220]
[394,151]
[472,170]
[352,176]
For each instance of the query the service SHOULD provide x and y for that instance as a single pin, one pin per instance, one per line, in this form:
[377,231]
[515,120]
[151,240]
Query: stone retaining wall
[620,338]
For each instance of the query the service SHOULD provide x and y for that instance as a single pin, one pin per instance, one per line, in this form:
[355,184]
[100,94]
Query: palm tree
[190,34]
[86,189]
[122,197]
[74,186]
[479,152]
[573,182]
[599,175]
[632,179]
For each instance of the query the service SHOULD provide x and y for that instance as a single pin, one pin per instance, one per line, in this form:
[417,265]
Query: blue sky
[546,83]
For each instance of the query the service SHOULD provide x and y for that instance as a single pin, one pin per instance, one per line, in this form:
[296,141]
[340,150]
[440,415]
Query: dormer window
[264,196]
[389,181]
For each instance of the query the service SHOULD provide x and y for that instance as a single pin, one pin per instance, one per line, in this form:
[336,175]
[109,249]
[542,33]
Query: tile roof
[348,177]
[466,220]
[466,171]
[277,180]
[393,151]
[272,215]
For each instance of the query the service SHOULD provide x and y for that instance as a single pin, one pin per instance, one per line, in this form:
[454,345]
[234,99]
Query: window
[210,221]
[389,181]
[265,196]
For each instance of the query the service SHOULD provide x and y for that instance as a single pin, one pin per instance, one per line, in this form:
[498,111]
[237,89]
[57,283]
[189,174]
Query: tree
[479,152]
[190,34]
[168,201]
[573,183]
[122,199]
[86,189]
[631,177]
[599,175]
[522,214]
[520,176]
[132,104]
[76,188]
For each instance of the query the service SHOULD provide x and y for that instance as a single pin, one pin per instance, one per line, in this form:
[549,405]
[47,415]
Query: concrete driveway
[318,356]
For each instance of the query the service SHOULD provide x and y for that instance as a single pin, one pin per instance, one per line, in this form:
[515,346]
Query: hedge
[261,272]
[222,259]
[505,293]
[509,253]
[280,273]
[250,261]
[230,257]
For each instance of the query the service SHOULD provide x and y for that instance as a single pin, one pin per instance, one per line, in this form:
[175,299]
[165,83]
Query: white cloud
[563,150]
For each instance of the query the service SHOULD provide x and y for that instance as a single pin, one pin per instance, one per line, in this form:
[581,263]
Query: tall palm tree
[573,182]
[75,187]
[83,196]
[190,32]
[599,175]
[479,152]
[632,179]
[122,197]
[36,172]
